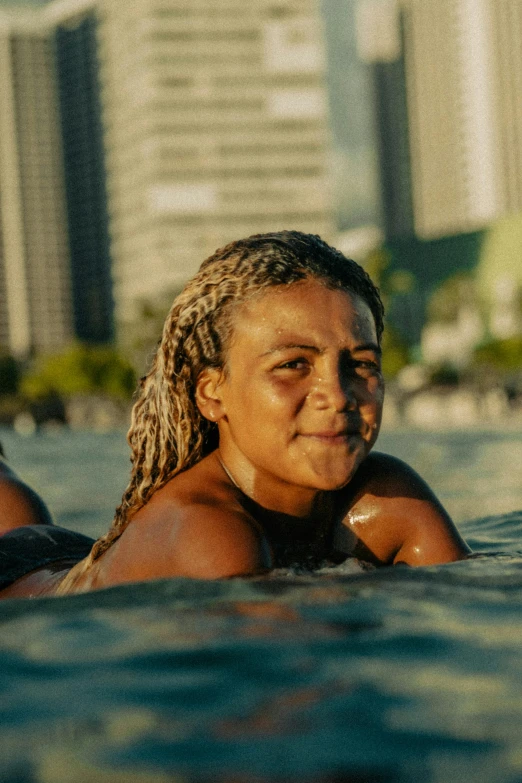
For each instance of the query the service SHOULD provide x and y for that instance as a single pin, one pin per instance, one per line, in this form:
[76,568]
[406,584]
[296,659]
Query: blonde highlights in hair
[168,434]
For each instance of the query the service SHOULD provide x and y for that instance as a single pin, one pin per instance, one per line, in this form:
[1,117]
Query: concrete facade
[214,125]
[35,286]
[458,64]
[216,128]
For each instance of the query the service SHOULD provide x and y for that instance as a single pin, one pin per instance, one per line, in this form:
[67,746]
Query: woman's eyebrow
[300,347]
[368,347]
[290,346]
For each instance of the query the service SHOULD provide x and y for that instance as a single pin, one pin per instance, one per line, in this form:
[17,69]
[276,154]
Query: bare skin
[19,504]
[298,408]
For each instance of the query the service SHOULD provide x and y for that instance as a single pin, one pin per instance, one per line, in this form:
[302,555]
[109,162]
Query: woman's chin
[333,467]
[334,476]
[331,482]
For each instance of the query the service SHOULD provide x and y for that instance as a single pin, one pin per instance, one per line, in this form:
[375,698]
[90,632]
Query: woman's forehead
[307,306]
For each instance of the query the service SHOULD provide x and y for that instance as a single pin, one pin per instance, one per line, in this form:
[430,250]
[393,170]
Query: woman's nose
[334,391]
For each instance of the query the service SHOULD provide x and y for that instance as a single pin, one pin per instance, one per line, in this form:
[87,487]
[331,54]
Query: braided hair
[168,434]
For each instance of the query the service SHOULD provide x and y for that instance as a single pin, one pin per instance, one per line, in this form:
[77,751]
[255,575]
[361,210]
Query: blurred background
[137,136]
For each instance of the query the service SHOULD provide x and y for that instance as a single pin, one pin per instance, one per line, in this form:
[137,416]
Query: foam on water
[346,674]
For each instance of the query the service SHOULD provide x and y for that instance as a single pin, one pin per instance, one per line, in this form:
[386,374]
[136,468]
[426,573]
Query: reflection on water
[340,676]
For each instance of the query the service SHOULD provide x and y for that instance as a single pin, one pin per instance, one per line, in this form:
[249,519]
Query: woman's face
[300,405]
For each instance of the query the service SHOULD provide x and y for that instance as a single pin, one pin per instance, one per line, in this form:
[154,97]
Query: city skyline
[137,138]
[214,125]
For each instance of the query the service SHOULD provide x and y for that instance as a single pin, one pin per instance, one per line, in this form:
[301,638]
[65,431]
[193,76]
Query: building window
[292,46]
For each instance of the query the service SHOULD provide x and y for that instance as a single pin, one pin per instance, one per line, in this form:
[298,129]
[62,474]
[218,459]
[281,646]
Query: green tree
[377,265]
[395,354]
[447,300]
[144,334]
[503,355]
[81,369]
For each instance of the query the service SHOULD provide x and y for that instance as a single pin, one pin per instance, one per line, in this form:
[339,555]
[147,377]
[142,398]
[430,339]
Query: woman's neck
[292,502]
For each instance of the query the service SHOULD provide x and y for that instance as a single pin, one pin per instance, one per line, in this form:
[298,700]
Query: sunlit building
[216,127]
[507,31]
[55,276]
[450,72]
[137,138]
[453,90]
[206,120]
[35,285]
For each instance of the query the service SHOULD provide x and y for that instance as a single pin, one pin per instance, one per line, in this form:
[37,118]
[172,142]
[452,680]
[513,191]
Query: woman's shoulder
[396,517]
[19,504]
[200,493]
[194,526]
[384,474]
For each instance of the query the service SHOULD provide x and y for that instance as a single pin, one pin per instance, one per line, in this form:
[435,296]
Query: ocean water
[342,676]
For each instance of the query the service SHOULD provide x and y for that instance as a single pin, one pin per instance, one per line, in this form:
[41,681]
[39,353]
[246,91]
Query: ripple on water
[339,676]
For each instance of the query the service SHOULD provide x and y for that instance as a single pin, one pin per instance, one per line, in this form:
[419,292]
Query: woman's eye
[365,367]
[294,364]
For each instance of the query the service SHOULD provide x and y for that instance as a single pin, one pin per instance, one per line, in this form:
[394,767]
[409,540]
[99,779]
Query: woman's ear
[208,396]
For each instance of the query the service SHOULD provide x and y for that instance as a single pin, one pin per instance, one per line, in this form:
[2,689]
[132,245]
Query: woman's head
[199,326]
[299,403]
[168,434]
[244,269]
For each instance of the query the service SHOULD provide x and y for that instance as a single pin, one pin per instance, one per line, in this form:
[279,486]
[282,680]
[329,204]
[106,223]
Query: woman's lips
[330,437]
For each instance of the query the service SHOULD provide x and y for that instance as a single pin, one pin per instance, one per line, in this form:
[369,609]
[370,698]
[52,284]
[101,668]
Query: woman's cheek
[376,388]
[284,390]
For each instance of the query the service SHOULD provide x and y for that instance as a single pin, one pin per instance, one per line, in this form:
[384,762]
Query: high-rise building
[448,107]
[35,286]
[188,123]
[216,127]
[506,22]
[85,177]
[452,94]
[55,276]
[381,45]
[353,125]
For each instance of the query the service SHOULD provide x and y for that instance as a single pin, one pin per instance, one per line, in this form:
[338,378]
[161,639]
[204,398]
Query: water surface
[344,675]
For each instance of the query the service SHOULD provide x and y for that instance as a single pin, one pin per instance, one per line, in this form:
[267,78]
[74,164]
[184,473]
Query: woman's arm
[199,542]
[19,504]
[396,518]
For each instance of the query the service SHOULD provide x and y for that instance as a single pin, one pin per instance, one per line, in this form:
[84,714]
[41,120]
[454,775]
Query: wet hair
[168,434]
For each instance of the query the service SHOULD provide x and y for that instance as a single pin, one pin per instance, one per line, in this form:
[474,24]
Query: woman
[252,432]
[19,504]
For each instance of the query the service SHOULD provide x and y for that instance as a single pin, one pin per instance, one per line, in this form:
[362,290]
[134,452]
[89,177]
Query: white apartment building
[216,128]
[463,60]
[463,73]
[35,296]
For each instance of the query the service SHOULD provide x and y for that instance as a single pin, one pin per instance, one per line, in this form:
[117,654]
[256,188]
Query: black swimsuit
[297,542]
[35,546]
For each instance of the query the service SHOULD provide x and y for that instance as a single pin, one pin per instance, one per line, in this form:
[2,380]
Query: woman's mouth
[331,437]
